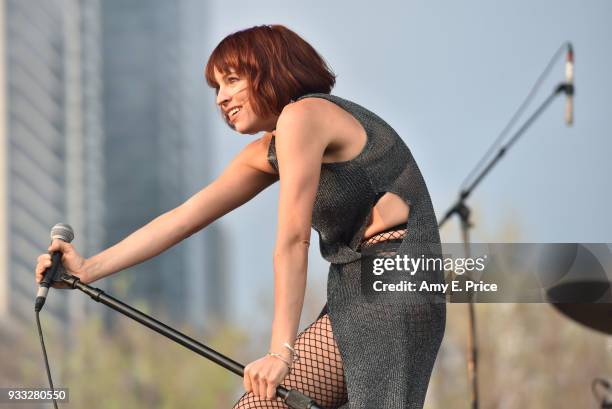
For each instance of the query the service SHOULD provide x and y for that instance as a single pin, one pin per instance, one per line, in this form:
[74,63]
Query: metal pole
[463,211]
[295,399]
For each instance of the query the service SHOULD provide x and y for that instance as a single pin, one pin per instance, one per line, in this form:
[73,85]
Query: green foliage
[129,366]
[137,368]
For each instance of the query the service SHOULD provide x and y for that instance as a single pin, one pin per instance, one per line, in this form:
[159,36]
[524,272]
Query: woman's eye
[231,80]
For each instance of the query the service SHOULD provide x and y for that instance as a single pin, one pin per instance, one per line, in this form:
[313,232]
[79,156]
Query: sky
[447,76]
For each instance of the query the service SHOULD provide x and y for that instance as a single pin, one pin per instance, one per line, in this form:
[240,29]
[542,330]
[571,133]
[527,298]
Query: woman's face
[233,99]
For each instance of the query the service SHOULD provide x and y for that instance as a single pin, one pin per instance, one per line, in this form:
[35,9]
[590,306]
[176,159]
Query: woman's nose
[222,97]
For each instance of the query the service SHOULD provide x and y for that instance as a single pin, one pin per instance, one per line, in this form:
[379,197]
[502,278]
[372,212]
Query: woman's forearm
[290,272]
[143,244]
[239,183]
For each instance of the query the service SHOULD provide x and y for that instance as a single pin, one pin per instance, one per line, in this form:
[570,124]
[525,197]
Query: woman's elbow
[297,243]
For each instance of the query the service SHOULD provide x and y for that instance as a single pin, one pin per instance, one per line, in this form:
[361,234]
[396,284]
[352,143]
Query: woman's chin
[246,130]
[241,130]
[236,127]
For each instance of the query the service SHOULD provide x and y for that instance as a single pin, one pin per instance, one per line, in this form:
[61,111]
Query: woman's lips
[233,113]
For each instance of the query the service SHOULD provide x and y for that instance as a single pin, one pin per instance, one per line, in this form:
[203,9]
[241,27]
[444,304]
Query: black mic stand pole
[294,398]
[463,211]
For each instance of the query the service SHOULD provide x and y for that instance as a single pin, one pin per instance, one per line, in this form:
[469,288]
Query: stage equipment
[293,398]
[62,232]
[597,316]
[462,210]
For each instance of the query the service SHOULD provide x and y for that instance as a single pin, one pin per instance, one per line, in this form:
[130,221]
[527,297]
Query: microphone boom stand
[463,211]
[294,398]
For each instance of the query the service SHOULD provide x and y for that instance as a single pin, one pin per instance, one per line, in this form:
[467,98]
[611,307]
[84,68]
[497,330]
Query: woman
[342,171]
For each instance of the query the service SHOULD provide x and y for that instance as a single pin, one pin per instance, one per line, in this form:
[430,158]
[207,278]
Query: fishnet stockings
[318,373]
[392,234]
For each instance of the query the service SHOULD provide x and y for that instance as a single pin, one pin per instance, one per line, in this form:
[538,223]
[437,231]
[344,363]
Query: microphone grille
[63,232]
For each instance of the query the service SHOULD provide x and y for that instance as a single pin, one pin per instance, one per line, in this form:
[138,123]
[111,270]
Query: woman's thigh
[318,373]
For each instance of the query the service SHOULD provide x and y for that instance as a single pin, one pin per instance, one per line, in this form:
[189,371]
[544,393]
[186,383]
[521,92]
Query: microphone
[62,232]
[569,85]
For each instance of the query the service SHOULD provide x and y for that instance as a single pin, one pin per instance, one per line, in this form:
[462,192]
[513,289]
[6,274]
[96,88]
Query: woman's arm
[300,143]
[242,179]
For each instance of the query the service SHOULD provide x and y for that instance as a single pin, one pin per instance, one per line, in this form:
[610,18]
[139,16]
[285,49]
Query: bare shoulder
[309,115]
[339,135]
[313,110]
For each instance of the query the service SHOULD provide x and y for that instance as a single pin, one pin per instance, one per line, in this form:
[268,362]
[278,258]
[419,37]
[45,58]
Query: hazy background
[107,122]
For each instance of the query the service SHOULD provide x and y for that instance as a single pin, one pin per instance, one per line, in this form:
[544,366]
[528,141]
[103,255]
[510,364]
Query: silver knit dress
[388,347]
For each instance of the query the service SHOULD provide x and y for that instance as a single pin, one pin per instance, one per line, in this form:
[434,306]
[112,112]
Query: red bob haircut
[279,66]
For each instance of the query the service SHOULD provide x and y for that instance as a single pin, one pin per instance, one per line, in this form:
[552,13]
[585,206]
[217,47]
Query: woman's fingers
[271,391]
[56,245]
[263,376]
[59,245]
[263,386]
[43,258]
[255,384]
[247,379]
[44,262]
[72,262]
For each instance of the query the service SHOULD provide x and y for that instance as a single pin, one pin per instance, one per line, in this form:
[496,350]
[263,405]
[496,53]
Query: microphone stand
[463,211]
[294,398]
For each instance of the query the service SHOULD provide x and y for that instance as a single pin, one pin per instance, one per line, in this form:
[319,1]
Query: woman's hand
[263,376]
[72,261]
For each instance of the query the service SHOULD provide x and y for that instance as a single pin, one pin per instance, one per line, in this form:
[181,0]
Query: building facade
[51,135]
